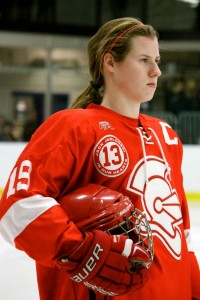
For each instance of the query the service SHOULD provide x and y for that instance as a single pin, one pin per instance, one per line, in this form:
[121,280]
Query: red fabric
[97,145]
[195,278]
[102,265]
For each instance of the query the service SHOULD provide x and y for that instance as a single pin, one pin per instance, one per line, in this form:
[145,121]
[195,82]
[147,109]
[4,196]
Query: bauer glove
[105,263]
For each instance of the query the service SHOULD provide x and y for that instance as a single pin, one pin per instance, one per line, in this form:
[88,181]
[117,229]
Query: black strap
[92,295]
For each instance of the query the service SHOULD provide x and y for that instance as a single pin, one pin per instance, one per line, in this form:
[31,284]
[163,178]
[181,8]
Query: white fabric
[22,213]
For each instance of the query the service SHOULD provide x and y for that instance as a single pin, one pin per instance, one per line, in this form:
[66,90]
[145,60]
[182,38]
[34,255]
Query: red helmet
[98,207]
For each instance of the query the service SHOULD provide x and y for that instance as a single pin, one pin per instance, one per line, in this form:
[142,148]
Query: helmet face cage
[137,228]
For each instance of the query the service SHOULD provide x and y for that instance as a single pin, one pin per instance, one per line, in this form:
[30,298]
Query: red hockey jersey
[138,157]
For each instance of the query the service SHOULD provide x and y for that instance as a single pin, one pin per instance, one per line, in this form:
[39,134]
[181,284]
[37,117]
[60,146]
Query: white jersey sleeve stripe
[22,213]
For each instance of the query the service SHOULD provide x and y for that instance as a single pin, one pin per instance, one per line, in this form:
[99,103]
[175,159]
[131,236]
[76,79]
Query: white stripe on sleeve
[22,213]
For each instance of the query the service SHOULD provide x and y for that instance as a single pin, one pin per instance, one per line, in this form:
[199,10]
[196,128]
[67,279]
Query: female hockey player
[103,139]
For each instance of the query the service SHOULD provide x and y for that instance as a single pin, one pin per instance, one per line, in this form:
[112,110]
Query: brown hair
[114,37]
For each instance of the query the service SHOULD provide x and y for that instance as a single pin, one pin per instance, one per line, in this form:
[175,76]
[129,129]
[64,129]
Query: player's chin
[149,97]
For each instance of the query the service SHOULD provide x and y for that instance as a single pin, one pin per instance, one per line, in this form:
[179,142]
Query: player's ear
[108,62]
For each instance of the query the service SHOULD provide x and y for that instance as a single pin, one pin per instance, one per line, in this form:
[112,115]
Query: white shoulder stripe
[22,213]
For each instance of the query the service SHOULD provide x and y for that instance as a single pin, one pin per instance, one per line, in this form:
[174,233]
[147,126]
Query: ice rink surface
[17,271]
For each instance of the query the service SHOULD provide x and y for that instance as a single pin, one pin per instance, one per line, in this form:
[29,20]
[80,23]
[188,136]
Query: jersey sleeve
[31,218]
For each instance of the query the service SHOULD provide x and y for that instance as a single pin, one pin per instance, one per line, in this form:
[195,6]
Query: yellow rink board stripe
[191,196]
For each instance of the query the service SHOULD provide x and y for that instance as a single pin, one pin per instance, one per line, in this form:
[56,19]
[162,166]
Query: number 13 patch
[110,156]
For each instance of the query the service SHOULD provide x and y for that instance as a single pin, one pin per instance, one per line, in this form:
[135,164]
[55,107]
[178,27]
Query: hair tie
[95,86]
[119,37]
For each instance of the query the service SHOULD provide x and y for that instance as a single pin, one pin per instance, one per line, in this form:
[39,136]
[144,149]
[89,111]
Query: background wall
[191,170]
[191,161]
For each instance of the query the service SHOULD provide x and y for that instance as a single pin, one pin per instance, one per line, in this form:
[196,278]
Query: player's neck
[125,108]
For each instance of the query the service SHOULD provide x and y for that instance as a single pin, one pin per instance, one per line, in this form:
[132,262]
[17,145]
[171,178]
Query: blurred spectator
[192,94]
[7,131]
[175,96]
[30,125]
[17,131]
[2,120]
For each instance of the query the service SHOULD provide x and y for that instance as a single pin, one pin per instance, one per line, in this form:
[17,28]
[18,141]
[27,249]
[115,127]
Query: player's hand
[104,262]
